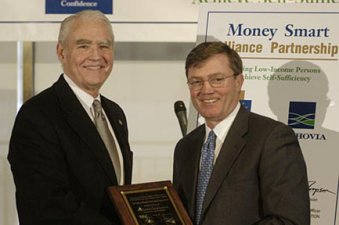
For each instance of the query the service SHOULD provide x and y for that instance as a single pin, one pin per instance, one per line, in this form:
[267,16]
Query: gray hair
[93,15]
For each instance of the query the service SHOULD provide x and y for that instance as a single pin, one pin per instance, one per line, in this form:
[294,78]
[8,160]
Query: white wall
[8,95]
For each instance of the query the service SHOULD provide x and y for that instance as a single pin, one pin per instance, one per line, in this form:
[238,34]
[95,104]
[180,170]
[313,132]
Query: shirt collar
[86,98]
[222,128]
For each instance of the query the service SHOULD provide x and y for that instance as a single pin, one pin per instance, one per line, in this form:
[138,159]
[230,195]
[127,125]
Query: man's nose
[206,87]
[95,53]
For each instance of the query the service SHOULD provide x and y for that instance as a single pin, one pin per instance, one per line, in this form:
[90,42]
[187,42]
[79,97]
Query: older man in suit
[239,168]
[60,162]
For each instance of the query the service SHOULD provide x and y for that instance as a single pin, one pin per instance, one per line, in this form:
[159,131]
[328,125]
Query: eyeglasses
[215,81]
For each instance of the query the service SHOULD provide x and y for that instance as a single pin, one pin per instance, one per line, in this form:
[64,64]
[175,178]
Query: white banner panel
[291,74]
[132,20]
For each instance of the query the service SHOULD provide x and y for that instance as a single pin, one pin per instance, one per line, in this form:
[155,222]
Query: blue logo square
[74,6]
[302,115]
[247,104]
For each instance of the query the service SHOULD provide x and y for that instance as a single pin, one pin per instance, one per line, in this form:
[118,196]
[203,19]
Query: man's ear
[60,52]
[239,81]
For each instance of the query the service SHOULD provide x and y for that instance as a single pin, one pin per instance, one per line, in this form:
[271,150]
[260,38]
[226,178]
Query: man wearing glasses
[239,168]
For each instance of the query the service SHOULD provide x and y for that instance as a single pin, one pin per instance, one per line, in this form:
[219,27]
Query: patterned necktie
[207,157]
[102,127]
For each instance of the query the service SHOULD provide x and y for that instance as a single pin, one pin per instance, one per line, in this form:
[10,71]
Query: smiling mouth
[93,67]
[209,100]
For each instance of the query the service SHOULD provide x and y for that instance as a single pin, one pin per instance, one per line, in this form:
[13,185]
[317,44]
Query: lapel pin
[120,122]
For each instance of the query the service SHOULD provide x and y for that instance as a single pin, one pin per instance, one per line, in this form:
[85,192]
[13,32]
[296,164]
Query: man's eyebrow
[83,41]
[106,42]
[210,75]
[215,74]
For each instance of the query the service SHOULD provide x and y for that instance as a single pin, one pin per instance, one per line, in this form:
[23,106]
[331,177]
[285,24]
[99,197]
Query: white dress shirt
[221,131]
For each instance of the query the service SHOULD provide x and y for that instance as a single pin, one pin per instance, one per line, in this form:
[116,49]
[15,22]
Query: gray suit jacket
[259,177]
[60,165]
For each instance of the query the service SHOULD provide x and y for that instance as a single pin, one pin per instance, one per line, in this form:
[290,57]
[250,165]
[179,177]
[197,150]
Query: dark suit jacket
[259,177]
[60,165]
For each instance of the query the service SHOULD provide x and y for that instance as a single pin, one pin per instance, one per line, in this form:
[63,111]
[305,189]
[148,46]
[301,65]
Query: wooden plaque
[149,204]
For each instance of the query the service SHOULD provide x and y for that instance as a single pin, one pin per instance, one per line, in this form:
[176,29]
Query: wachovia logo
[302,115]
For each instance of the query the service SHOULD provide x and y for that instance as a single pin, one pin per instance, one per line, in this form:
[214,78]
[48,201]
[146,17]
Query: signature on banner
[315,190]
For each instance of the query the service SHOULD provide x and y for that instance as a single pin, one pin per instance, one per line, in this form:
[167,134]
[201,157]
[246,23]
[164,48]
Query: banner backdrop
[132,20]
[291,74]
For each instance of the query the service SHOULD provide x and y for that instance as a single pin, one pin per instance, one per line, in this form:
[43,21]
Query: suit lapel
[83,126]
[118,124]
[229,152]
